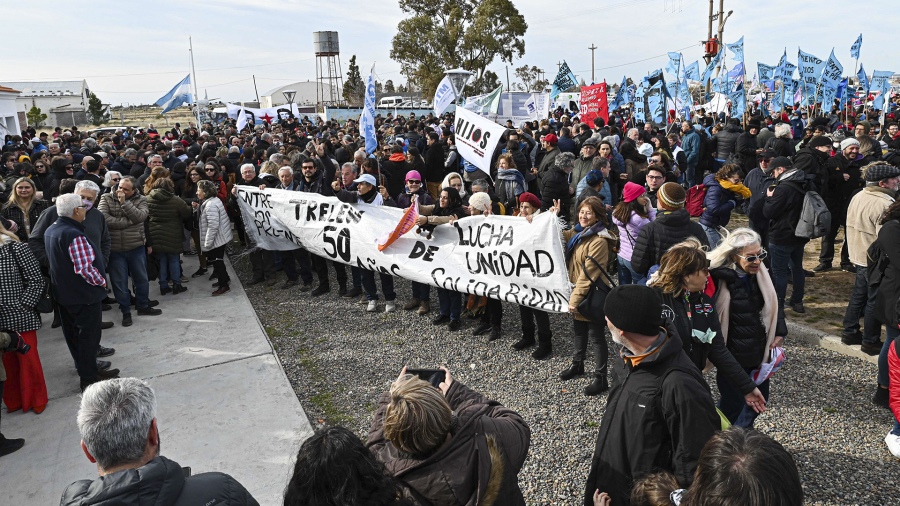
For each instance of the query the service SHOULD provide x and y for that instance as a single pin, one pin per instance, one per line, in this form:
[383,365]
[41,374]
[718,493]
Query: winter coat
[215,227]
[746,148]
[160,481]
[12,212]
[21,286]
[887,300]
[598,247]
[509,185]
[839,190]
[434,164]
[668,229]
[725,141]
[125,220]
[659,415]
[548,162]
[404,200]
[703,318]
[747,334]
[167,214]
[864,220]
[395,168]
[781,147]
[95,228]
[718,203]
[479,463]
[582,167]
[783,208]
[629,232]
[812,163]
[555,186]
[691,146]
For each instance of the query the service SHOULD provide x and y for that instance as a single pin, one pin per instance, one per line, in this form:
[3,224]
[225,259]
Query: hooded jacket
[887,300]
[159,482]
[725,141]
[783,208]
[812,163]
[718,203]
[659,415]
[839,190]
[214,225]
[125,220]
[669,228]
[167,214]
[479,463]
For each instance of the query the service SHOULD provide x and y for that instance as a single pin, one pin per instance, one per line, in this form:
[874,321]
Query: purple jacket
[628,234]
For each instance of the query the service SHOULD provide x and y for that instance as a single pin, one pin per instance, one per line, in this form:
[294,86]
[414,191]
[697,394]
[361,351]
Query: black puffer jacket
[555,186]
[725,141]
[839,190]
[669,228]
[887,302]
[160,481]
[746,331]
[783,208]
[812,163]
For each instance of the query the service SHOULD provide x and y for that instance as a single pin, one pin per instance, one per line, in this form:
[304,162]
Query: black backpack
[877,263]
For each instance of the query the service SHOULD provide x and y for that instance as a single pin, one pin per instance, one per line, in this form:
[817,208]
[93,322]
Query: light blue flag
[684,93]
[854,49]
[639,113]
[738,102]
[863,80]
[692,71]
[832,73]
[656,102]
[711,67]
[788,70]
[367,121]
[842,92]
[737,50]
[881,81]
[737,72]
[674,65]
[766,72]
[779,69]
[565,79]
[672,89]
[810,68]
[178,96]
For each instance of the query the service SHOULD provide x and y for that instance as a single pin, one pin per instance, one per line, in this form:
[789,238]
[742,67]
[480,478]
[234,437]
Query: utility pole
[558,66]
[721,17]
[593,78]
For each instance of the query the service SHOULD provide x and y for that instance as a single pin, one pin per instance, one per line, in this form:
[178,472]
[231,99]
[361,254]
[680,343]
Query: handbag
[44,303]
[592,305]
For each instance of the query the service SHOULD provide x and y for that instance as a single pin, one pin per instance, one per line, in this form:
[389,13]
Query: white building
[306,94]
[9,116]
[64,102]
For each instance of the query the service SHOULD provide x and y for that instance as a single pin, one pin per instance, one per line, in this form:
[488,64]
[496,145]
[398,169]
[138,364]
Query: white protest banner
[443,96]
[476,138]
[502,257]
[268,115]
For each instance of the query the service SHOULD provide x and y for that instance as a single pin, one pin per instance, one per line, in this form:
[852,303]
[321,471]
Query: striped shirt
[82,255]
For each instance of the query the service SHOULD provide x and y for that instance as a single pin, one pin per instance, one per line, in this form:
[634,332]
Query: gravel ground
[340,358]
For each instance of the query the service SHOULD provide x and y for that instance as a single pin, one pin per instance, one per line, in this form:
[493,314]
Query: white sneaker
[893,444]
[389,307]
[372,307]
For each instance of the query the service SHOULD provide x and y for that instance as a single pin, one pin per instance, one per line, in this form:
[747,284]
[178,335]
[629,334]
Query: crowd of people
[642,206]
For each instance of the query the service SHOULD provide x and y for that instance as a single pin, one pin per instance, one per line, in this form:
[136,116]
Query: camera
[16,342]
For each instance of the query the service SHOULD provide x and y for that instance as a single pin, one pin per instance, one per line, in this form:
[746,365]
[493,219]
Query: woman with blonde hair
[440,427]
[23,207]
[155,175]
[22,384]
[682,283]
[751,323]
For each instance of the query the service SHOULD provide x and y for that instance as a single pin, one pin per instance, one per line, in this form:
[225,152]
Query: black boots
[576,369]
[8,446]
[598,386]
[526,341]
[545,347]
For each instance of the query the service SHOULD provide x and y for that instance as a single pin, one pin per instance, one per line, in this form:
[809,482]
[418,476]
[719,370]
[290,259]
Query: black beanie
[634,308]
[819,141]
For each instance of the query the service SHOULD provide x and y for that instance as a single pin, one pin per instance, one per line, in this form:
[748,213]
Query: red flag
[594,103]
[407,222]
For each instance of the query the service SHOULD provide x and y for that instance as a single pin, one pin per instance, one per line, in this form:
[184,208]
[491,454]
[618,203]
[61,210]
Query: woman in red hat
[630,216]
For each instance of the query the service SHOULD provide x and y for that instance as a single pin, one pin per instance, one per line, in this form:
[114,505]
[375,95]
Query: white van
[388,102]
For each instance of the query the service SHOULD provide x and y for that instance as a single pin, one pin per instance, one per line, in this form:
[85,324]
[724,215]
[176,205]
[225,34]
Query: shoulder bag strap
[602,271]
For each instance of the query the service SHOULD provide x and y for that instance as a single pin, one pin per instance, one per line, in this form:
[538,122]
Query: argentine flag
[179,95]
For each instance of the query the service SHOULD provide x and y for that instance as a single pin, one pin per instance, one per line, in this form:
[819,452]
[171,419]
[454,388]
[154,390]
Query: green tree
[389,87]
[354,88]
[531,79]
[456,33]
[487,83]
[35,117]
[96,112]
[379,88]
[402,88]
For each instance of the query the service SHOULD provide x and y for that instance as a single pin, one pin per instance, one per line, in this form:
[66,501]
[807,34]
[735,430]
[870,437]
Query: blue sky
[132,52]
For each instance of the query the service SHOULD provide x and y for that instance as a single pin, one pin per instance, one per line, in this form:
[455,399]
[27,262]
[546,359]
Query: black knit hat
[819,141]
[634,308]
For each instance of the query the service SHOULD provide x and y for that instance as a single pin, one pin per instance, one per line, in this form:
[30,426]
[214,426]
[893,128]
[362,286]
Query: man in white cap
[844,178]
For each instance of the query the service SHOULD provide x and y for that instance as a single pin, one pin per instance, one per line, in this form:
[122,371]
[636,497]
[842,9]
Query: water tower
[330,84]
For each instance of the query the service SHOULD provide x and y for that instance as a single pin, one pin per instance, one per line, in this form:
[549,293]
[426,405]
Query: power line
[57,78]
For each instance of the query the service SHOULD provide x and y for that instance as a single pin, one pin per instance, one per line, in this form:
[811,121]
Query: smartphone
[433,376]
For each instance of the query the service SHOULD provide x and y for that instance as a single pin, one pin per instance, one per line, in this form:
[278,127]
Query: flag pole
[194,82]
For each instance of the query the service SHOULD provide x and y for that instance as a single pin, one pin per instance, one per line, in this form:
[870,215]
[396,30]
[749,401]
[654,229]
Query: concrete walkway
[224,402]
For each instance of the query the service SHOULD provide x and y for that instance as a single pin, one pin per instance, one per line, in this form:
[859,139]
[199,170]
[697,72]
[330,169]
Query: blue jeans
[712,235]
[892,332]
[421,291]
[784,259]
[862,304]
[169,269]
[627,275]
[387,286]
[131,263]
[732,402]
[450,303]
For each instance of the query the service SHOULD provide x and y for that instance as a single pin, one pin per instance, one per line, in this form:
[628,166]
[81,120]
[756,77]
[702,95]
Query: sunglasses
[755,258]
[115,179]
[413,181]
[210,170]
[40,166]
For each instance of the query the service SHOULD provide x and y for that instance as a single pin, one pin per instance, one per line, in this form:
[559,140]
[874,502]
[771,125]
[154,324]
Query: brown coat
[477,466]
[597,247]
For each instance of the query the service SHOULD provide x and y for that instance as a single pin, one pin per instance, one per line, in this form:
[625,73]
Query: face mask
[88,204]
